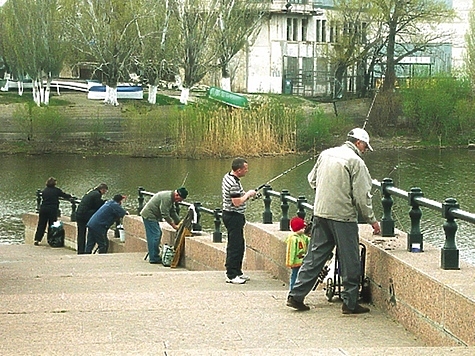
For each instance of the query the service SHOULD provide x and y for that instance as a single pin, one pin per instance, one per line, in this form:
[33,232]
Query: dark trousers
[81,238]
[234,223]
[47,216]
[97,237]
[325,235]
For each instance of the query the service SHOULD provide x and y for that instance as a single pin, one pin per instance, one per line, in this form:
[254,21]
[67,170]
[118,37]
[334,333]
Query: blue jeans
[96,237]
[293,276]
[153,232]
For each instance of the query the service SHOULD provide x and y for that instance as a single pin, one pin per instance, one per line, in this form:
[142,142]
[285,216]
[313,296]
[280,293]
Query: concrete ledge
[435,304]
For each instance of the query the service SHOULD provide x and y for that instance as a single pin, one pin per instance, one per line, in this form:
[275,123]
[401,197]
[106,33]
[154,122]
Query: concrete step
[56,302]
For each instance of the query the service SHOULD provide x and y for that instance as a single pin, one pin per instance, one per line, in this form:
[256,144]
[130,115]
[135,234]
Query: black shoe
[37,243]
[291,302]
[358,309]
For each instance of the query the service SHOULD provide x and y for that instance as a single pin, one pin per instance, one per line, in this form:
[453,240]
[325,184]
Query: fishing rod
[284,173]
[370,108]
[184,180]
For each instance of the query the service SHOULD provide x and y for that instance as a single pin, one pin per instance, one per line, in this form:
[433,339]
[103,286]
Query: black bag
[56,234]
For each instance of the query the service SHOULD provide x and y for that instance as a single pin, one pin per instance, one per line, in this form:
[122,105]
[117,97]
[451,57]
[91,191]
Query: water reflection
[439,173]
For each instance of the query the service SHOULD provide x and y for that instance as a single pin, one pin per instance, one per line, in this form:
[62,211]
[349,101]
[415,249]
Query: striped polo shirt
[232,188]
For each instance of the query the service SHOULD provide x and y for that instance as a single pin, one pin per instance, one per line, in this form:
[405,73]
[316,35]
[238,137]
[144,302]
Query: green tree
[33,42]
[104,33]
[196,20]
[410,26]
[157,57]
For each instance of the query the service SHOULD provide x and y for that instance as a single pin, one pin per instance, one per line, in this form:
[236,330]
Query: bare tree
[196,21]
[358,37]
[104,32]
[470,40]
[239,22]
[33,42]
[410,26]
[157,35]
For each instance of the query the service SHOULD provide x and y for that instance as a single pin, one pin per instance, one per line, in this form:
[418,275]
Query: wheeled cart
[333,283]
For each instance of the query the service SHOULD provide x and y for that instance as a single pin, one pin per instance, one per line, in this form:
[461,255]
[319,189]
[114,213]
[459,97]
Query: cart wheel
[330,290]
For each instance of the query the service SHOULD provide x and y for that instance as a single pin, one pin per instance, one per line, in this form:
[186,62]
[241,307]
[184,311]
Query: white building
[290,52]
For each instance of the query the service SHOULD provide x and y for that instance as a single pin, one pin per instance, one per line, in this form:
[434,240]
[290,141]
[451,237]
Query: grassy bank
[274,125]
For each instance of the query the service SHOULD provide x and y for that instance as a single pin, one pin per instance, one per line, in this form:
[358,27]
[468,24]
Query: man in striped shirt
[234,207]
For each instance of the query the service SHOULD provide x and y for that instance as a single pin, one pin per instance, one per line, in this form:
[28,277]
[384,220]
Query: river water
[439,173]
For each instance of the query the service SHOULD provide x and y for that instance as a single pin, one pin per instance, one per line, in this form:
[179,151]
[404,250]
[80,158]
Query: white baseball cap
[361,135]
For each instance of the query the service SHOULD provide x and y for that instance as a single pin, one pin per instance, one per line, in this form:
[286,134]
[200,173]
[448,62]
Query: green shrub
[41,123]
[318,130]
[433,107]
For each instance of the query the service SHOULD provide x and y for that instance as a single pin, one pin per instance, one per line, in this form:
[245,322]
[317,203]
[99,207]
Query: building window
[307,71]
[291,67]
[321,31]
[289,29]
[324,31]
[294,30]
[332,34]
[304,29]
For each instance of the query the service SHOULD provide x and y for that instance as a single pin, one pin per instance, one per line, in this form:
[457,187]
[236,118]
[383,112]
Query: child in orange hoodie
[297,245]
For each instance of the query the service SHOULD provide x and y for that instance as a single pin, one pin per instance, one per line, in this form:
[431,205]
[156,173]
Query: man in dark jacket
[89,204]
[101,221]
[48,213]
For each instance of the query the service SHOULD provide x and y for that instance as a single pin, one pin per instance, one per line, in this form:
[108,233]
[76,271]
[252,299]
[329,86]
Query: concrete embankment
[417,307]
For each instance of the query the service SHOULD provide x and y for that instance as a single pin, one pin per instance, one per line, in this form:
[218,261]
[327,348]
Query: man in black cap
[160,207]
[89,204]
[101,221]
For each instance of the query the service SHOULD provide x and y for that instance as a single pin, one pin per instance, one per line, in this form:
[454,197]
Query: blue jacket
[103,218]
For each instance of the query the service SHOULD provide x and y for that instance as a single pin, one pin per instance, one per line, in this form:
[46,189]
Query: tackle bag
[56,234]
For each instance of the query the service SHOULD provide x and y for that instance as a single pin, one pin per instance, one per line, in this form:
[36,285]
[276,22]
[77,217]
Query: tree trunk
[20,88]
[152,94]
[225,78]
[36,92]
[226,83]
[184,96]
[47,91]
[111,96]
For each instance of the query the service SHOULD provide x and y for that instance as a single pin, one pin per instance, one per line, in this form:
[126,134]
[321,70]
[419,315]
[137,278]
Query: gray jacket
[342,185]
[161,206]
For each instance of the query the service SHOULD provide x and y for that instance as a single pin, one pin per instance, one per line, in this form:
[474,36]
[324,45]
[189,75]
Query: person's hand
[251,192]
[376,228]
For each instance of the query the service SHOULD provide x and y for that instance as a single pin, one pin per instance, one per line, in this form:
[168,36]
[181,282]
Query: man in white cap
[342,186]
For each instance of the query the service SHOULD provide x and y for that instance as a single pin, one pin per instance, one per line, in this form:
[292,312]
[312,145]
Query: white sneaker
[245,277]
[235,280]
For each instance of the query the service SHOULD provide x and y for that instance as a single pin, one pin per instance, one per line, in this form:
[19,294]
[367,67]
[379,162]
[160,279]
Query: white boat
[98,92]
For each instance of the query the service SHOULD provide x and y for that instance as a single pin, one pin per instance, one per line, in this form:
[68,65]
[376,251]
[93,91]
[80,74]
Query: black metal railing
[449,209]
[73,201]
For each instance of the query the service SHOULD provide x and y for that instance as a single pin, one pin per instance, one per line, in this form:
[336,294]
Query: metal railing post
[197,225]
[284,221]
[387,222]
[414,237]
[301,210]
[141,200]
[267,214]
[38,200]
[449,253]
[217,234]
[73,210]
